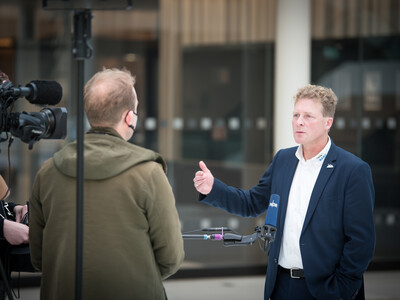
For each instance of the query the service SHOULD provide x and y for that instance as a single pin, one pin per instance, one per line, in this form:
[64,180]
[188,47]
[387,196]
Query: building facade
[215,80]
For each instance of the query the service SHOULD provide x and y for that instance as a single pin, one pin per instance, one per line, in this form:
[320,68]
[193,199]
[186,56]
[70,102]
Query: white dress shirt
[299,197]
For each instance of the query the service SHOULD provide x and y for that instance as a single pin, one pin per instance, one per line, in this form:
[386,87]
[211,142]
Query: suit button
[275,260]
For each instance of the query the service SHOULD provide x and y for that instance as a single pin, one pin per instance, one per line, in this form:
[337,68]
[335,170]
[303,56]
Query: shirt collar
[319,157]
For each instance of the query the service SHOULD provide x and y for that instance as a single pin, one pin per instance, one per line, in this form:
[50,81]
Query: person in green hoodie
[132,238]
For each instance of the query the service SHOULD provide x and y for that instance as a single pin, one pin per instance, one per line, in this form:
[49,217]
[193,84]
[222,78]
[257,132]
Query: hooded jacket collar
[104,130]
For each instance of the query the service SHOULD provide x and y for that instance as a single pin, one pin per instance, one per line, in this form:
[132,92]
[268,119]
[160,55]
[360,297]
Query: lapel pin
[329,166]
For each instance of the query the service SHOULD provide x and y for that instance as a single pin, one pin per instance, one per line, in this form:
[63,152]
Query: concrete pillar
[292,64]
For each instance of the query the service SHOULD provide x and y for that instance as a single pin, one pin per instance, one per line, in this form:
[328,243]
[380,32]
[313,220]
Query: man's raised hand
[203,180]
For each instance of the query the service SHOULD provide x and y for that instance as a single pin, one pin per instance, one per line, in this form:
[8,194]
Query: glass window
[360,60]
[216,82]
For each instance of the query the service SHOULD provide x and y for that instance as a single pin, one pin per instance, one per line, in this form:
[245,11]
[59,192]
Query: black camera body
[49,123]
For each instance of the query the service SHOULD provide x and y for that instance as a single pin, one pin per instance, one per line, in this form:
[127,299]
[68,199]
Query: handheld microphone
[270,221]
[272,212]
[40,92]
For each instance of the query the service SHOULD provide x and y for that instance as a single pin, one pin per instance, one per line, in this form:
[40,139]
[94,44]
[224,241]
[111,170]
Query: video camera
[49,123]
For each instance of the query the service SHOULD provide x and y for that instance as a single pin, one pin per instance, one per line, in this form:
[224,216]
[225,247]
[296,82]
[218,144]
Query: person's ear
[329,122]
[128,117]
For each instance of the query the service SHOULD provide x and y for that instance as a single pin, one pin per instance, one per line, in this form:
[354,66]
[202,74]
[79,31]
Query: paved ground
[378,286]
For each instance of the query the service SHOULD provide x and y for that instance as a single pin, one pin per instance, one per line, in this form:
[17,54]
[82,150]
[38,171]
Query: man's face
[310,127]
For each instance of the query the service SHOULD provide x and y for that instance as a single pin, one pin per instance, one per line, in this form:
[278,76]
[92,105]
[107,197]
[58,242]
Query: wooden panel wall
[355,18]
[213,22]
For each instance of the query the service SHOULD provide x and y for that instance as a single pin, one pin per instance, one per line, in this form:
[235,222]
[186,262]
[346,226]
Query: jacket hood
[106,154]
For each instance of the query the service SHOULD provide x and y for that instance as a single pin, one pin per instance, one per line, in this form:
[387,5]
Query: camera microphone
[49,123]
[40,92]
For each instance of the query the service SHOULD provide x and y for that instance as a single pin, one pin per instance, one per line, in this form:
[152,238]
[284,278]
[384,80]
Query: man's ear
[329,122]
[128,117]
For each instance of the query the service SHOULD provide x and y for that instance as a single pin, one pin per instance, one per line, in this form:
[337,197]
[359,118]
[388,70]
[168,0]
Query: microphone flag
[272,212]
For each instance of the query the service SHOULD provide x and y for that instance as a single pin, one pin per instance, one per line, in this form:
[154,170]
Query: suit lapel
[327,169]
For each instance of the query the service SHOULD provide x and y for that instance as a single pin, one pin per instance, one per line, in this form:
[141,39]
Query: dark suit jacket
[338,236]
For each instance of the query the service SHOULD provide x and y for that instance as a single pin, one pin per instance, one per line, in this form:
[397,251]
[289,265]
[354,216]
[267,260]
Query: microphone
[270,221]
[40,92]
[272,212]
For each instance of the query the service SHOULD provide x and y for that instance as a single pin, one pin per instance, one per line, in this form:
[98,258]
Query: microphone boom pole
[266,233]
[232,239]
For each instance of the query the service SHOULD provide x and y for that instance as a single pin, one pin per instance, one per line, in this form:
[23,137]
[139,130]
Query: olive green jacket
[131,236]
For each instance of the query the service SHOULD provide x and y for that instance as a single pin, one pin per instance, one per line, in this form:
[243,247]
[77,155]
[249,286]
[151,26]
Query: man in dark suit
[325,230]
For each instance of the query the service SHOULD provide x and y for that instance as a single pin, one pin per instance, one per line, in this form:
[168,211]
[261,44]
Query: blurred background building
[215,81]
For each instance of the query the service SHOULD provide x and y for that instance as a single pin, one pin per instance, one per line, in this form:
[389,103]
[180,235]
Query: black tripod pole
[5,281]
[81,51]
[79,192]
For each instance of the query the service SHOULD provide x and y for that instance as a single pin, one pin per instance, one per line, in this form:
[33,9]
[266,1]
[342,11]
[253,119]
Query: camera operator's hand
[16,233]
[20,211]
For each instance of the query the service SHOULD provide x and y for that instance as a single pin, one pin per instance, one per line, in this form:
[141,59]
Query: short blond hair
[107,95]
[321,94]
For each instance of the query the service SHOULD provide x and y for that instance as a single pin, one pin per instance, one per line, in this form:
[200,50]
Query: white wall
[292,64]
